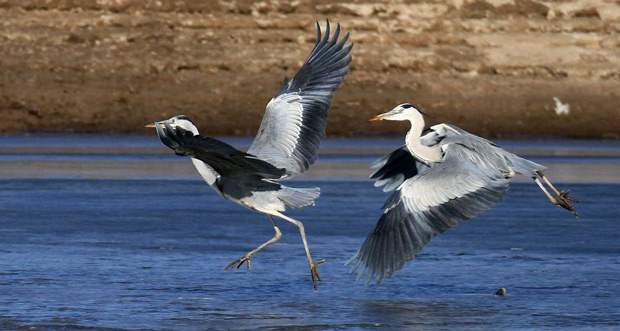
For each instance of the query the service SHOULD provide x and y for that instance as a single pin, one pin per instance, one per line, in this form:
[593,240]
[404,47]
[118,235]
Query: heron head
[401,112]
[180,121]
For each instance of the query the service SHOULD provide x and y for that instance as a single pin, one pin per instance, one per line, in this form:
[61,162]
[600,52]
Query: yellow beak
[380,117]
[152,125]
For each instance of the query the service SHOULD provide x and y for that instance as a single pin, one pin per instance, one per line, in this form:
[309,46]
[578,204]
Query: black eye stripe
[182,117]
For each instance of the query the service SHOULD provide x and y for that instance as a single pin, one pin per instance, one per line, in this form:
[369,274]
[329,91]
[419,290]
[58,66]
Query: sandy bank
[491,67]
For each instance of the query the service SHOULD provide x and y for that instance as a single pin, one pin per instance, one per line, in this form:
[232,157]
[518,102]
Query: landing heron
[286,144]
[441,176]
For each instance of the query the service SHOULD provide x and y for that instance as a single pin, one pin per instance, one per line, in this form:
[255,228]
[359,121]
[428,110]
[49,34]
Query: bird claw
[239,262]
[564,195]
[562,201]
[315,273]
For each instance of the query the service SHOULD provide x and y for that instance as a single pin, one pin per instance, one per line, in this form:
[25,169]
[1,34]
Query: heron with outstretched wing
[287,143]
[440,177]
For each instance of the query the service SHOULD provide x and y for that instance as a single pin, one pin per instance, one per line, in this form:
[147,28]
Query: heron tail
[299,197]
[525,166]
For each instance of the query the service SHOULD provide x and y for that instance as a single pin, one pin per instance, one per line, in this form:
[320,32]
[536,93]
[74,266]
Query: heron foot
[563,202]
[315,273]
[564,195]
[240,261]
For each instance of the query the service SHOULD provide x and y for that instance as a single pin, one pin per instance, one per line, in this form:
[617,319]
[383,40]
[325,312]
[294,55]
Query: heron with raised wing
[286,144]
[440,177]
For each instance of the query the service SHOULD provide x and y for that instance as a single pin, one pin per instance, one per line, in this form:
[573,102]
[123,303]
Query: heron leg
[561,202]
[563,195]
[246,257]
[313,270]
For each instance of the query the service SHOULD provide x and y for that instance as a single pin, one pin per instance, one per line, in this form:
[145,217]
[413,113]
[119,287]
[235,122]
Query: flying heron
[441,176]
[286,144]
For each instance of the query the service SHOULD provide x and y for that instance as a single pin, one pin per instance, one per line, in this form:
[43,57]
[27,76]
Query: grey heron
[286,144]
[440,177]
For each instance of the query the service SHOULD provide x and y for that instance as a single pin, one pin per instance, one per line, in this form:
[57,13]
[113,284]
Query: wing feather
[295,119]
[425,206]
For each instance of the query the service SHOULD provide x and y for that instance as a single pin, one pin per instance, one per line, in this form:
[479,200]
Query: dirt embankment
[489,66]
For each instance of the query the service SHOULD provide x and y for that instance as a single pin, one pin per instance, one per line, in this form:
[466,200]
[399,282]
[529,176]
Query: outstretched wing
[222,157]
[295,119]
[426,205]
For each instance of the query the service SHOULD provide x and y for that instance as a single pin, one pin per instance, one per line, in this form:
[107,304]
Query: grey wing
[295,119]
[486,154]
[424,206]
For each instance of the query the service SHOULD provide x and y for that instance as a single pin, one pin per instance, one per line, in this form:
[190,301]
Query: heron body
[440,177]
[286,144]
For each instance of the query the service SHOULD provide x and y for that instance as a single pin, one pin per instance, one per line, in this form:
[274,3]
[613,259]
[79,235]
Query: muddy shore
[491,67]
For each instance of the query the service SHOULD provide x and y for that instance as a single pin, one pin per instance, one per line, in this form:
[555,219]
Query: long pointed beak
[381,116]
[152,125]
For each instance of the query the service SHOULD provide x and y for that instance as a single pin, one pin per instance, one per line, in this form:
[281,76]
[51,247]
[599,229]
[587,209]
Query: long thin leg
[549,183]
[542,187]
[313,270]
[246,257]
[563,194]
[558,202]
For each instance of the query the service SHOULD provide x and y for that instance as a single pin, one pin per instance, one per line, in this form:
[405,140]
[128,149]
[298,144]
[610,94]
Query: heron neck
[193,130]
[425,154]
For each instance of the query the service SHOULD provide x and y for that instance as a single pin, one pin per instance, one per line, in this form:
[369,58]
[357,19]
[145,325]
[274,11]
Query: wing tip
[318,31]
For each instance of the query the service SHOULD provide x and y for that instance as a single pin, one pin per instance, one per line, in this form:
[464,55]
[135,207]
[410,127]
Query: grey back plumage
[295,119]
[473,177]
